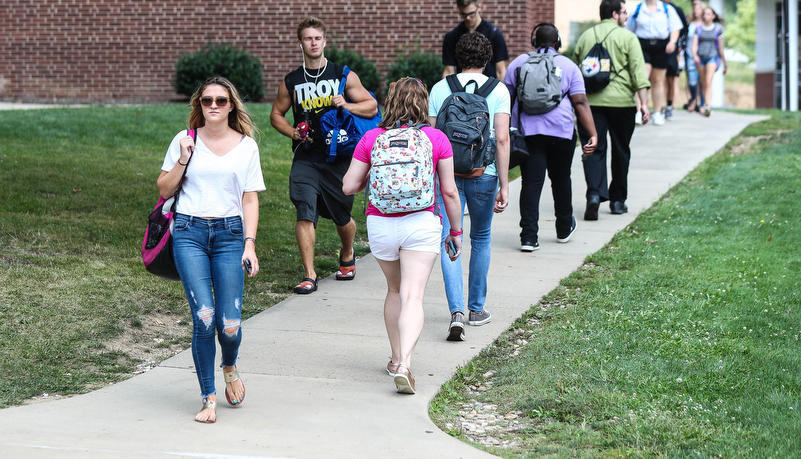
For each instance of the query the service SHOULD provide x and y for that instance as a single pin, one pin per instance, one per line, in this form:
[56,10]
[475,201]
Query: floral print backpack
[402,171]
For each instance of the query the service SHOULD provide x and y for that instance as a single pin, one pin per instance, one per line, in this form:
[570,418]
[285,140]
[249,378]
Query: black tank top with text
[311,98]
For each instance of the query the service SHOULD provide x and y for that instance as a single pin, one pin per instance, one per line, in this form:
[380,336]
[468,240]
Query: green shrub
[220,59]
[367,71]
[416,63]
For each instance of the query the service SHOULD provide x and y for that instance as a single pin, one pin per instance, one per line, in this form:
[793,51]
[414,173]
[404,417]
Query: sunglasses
[221,101]
[469,15]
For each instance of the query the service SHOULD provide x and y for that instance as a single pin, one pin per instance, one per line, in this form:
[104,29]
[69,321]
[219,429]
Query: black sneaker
[456,328]
[479,317]
[529,246]
[564,239]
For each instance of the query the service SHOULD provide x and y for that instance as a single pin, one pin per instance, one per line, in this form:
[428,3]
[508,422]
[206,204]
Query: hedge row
[244,70]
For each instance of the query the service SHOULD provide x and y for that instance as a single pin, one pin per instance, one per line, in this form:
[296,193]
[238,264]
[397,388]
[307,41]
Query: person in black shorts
[658,26]
[315,186]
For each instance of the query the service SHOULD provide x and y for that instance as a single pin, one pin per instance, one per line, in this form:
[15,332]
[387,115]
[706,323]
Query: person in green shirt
[613,108]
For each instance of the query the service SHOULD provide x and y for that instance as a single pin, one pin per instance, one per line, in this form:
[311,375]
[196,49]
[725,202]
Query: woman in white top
[214,236]
[657,26]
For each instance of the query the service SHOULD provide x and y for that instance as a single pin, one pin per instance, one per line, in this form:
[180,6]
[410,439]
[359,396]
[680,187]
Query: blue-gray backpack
[465,120]
[539,84]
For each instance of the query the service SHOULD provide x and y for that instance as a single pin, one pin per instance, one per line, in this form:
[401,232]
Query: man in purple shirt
[551,141]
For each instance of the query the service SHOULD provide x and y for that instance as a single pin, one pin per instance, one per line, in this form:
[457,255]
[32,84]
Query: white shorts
[419,231]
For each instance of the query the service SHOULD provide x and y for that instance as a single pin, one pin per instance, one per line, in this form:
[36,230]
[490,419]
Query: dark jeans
[619,123]
[554,155]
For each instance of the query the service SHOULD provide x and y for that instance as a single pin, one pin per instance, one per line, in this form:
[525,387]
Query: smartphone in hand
[450,248]
[248,266]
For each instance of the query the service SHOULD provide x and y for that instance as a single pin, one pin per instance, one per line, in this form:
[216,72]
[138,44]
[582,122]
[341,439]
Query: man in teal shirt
[613,108]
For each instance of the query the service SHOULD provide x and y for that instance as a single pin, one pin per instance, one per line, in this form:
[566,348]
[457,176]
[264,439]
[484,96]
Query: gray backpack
[539,84]
[465,119]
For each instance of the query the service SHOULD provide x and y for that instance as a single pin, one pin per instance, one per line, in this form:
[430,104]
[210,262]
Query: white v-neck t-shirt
[213,185]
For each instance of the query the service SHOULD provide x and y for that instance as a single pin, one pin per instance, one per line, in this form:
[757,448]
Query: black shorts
[316,191]
[673,69]
[654,52]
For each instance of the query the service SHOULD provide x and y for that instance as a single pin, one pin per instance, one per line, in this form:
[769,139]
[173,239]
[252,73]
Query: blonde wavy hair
[407,100]
[238,119]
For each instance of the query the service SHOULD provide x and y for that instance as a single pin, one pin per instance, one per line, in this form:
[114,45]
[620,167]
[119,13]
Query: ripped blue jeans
[208,255]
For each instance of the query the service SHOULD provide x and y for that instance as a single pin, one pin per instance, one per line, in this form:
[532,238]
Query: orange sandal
[306,286]
[347,269]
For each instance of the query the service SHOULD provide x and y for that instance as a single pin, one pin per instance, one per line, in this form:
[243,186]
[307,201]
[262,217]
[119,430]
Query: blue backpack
[342,129]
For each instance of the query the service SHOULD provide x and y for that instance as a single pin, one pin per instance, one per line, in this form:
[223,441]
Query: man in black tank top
[315,186]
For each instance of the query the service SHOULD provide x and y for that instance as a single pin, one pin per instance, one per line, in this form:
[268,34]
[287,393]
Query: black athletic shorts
[316,191]
[673,69]
[654,52]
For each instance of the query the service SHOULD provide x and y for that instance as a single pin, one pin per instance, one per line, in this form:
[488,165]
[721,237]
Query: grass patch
[77,185]
[680,338]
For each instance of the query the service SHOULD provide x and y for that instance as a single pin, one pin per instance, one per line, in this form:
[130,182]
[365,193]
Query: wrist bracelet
[179,162]
[251,239]
[456,233]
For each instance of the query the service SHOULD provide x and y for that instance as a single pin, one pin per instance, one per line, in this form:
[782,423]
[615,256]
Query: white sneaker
[659,119]
[638,119]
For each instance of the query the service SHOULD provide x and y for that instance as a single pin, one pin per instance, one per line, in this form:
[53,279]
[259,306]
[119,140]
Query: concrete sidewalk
[314,365]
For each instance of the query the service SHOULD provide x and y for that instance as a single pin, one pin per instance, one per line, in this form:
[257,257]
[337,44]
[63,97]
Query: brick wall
[125,50]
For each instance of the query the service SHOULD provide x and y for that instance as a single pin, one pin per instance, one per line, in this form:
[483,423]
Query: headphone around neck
[534,35]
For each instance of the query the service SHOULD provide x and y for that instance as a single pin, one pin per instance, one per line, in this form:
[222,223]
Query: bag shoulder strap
[607,35]
[344,80]
[486,89]
[454,84]
[192,133]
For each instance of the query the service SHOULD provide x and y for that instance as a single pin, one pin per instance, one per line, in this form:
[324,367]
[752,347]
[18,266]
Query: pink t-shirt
[440,145]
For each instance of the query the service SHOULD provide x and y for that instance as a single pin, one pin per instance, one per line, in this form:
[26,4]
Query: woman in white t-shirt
[214,236]
[406,243]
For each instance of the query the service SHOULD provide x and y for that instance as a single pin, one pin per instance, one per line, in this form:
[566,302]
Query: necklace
[319,74]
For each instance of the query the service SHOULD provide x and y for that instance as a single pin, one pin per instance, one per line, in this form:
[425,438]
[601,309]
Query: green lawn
[77,185]
[680,338]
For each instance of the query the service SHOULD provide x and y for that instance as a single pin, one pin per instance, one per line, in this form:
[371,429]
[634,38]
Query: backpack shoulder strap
[453,83]
[636,12]
[486,89]
[610,33]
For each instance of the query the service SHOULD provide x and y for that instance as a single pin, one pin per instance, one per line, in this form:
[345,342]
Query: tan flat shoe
[208,405]
[404,381]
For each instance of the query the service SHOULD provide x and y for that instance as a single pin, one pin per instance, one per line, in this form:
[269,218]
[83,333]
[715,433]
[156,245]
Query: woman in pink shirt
[405,239]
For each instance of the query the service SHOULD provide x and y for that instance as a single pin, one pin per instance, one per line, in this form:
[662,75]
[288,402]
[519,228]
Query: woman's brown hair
[407,100]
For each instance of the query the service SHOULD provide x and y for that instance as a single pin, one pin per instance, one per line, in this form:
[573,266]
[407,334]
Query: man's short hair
[610,6]
[547,35]
[310,22]
[473,51]
[466,3]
